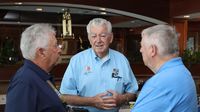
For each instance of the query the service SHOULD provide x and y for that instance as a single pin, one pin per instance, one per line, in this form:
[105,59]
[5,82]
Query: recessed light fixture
[186,16]
[103,9]
[133,21]
[18,3]
[38,9]
[103,13]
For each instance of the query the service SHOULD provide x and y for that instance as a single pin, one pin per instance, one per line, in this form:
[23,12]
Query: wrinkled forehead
[98,28]
[52,37]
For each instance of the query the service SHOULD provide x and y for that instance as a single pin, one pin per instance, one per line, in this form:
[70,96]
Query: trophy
[67,25]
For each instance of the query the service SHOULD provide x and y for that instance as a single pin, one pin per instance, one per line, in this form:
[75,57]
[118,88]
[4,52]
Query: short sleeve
[68,84]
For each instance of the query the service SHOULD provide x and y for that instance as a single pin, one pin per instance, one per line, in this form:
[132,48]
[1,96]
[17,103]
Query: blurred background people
[172,88]
[28,90]
[99,78]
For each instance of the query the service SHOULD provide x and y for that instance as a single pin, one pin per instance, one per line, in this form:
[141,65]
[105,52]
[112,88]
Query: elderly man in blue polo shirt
[172,88]
[99,78]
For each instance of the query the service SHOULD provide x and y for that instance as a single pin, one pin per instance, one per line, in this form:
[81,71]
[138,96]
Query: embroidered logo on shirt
[87,69]
[115,74]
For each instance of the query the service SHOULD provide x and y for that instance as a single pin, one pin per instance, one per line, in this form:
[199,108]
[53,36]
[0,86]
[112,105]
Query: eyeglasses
[59,46]
[101,35]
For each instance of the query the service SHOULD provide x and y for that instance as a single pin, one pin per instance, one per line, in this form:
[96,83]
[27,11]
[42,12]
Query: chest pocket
[119,84]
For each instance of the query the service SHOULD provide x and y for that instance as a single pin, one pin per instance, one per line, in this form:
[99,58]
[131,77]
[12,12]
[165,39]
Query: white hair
[99,22]
[164,37]
[35,36]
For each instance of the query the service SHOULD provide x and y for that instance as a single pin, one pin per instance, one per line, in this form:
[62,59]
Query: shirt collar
[40,72]
[171,63]
[107,57]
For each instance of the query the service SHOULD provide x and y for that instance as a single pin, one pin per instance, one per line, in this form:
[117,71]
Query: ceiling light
[103,9]
[186,16]
[103,13]
[38,9]
[18,3]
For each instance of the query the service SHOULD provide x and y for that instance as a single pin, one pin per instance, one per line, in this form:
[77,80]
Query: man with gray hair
[99,79]
[172,88]
[30,88]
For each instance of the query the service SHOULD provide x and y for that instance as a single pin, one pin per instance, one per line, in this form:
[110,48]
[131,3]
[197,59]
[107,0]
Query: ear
[154,50]
[111,38]
[89,40]
[40,52]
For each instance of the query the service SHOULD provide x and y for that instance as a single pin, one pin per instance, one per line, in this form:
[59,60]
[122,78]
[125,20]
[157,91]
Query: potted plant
[191,59]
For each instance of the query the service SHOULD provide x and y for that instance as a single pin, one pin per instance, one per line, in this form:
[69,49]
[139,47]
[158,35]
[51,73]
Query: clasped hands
[107,100]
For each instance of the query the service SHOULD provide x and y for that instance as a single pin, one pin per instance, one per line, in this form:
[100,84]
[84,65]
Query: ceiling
[29,14]
[120,14]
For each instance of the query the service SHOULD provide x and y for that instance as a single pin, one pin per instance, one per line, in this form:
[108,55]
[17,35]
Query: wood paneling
[183,7]
[194,26]
[181,27]
[7,71]
[2,107]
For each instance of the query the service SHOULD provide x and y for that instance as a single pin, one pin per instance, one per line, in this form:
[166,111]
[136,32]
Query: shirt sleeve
[152,100]
[132,85]
[20,98]
[68,84]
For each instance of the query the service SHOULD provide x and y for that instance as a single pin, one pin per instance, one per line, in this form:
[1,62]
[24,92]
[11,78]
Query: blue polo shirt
[171,89]
[28,91]
[87,75]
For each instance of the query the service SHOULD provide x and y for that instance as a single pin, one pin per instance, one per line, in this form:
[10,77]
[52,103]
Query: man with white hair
[99,79]
[30,88]
[172,88]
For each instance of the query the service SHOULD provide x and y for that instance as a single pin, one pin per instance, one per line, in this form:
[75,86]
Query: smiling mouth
[98,46]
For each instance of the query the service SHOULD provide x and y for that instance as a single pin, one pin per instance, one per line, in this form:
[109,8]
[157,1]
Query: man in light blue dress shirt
[99,79]
[172,88]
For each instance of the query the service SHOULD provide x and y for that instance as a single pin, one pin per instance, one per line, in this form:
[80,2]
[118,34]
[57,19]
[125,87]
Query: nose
[59,49]
[98,39]
[141,49]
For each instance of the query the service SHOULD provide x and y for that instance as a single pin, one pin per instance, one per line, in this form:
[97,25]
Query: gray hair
[164,37]
[35,36]
[99,22]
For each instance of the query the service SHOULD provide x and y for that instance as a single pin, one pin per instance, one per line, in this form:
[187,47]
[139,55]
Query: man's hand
[105,101]
[121,99]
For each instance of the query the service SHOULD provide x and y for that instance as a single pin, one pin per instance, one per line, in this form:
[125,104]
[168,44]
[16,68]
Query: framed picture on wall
[193,41]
